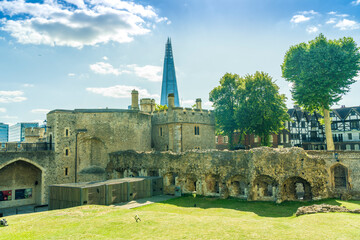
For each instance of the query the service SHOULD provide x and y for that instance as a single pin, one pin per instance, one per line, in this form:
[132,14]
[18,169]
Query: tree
[321,72]
[225,103]
[159,107]
[262,110]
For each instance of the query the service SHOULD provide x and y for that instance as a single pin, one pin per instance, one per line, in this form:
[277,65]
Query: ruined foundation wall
[257,174]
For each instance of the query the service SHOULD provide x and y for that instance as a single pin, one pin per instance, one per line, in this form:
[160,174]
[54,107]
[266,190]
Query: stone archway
[21,183]
[238,186]
[191,184]
[212,184]
[264,188]
[339,176]
[296,188]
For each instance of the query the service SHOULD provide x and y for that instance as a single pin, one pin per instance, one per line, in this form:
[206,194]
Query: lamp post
[77,131]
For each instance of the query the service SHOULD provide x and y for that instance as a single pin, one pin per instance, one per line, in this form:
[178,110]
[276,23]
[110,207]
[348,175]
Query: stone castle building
[177,144]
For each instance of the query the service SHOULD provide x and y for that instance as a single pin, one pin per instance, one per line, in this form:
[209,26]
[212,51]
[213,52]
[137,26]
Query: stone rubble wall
[256,174]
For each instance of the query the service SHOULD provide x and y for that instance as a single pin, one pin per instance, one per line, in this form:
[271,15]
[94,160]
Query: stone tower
[169,84]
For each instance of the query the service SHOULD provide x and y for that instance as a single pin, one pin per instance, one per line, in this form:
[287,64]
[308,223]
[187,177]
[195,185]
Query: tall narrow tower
[169,84]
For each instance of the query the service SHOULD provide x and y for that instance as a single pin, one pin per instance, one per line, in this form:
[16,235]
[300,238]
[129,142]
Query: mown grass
[179,219]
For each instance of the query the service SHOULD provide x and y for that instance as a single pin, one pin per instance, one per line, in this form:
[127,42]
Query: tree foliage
[159,107]
[250,104]
[321,72]
[262,110]
[225,103]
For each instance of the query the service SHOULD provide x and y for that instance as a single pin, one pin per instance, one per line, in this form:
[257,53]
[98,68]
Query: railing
[26,147]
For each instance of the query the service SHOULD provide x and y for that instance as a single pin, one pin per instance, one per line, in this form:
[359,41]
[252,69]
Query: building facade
[4,133]
[17,131]
[169,85]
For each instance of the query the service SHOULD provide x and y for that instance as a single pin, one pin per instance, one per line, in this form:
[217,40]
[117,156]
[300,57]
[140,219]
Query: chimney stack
[198,104]
[171,101]
[134,100]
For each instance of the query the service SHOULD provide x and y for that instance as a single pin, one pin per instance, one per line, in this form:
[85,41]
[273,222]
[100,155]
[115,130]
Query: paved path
[143,201]
[125,205]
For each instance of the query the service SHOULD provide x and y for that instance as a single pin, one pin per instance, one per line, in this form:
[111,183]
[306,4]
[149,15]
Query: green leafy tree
[321,72]
[159,107]
[262,110]
[225,103]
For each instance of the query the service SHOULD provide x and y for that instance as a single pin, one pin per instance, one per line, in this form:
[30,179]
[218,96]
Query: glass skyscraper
[169,84]
[17,131]
[4,132]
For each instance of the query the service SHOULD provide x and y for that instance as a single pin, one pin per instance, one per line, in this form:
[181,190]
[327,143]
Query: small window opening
[197,130]
[160,132]
[67,132]
[66,152]
[66,171]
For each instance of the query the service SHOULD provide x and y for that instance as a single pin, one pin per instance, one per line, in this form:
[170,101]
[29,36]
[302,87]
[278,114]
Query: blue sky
[69,54]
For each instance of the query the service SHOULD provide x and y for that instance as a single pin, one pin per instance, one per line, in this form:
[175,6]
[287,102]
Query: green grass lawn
[179,219]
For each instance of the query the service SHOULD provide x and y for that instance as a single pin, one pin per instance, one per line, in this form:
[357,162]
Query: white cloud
[105,58]
[76,23]
[104,68]
[208,104]
[28,85]
[299,19]
[331,21]
[71,74]
[346,24]
[11,96]
[311,12]
[149,72]
[2,110]
[356,2]
[332,13]
[40,110]
[8,117]
[122,91]
[312,29]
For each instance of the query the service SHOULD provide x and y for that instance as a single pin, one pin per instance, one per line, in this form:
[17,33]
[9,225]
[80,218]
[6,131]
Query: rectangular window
[287,138]
[350,136]
[160,131]
[333,126]
[303,124]
[281,138]
[226,139]
[303,136]
[23,193]
[294,124]
[66,171]
[67,132]
[256,139]
[216,139]
[5,195]
[197,130]
[354,125]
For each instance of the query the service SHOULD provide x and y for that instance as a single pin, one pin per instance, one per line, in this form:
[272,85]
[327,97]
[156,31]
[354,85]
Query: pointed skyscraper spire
[169,84]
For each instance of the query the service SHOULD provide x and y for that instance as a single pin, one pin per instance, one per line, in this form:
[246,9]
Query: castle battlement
[183,115]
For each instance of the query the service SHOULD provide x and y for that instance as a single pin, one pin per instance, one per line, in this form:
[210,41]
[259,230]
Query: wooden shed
[104,192]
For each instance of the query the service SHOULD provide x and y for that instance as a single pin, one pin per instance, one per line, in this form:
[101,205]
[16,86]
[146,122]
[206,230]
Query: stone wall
[27,170]
[90,135]
[257,174]
[174,129]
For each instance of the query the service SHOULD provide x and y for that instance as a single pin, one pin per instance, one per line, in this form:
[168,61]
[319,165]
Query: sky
[71,54]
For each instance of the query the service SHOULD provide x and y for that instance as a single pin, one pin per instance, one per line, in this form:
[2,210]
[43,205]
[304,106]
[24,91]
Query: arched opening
[20,184]
[296,188]
[212,183]
[264,187]
[191,184]
[169,179]
[237,186]
[340,176]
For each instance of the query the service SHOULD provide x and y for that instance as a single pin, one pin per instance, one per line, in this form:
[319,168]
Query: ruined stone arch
[20,173]
[169,179]
[339,176]
[237,185]
[191,183]
[264,187]
[296,188]
[212,182]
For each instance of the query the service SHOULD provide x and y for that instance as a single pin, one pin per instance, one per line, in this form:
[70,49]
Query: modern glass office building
[17,131]
[4,132]
[169,84]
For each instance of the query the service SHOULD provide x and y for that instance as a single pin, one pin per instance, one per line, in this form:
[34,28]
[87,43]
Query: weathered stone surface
[323,208]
